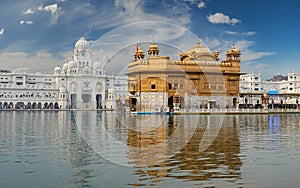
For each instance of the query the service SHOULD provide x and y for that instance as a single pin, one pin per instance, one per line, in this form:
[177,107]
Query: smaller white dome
[65,66]
[57,69]
[72,64]
[97,65]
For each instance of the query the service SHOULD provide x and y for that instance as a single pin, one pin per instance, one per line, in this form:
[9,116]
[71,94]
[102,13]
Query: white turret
[82,53]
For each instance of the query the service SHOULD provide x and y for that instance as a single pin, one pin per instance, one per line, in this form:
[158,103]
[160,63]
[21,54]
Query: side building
[279,89]
[78,84]
[198,79]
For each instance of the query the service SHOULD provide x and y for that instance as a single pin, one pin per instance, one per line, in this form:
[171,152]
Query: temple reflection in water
[220,160]
[163,148]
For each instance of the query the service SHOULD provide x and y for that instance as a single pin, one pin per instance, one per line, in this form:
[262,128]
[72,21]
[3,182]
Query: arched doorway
[34,105]
[56,106]
[5,105]
[73,101]
[45,105]
[170,101]
[133,104]
[234,100]
[19,105]
[99,101]
[28,106]
[39,105]
[11,105]
[51,105]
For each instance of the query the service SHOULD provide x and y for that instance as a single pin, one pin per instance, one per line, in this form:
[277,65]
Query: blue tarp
[273,92]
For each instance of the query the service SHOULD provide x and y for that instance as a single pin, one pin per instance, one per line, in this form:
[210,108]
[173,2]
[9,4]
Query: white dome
[65,66]
[72,64]
[57,69]
[81,44]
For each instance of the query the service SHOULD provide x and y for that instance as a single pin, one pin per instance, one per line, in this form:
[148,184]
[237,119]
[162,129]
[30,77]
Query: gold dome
[200,53]
[153,46]
[139,54]
[153,49]
[140,51]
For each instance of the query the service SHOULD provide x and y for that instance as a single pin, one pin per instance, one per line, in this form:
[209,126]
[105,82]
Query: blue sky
[40,34]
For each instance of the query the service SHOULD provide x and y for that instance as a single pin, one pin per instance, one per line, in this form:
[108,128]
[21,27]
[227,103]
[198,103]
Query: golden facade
[154,80]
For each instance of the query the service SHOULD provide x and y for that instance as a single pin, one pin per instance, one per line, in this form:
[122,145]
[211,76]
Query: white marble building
[253,84]
[79,84]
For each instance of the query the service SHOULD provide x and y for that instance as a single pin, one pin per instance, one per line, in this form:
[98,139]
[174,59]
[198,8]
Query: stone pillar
[208,104]
[237,104]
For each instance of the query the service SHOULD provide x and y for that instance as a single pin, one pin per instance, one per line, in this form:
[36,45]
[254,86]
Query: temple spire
[198,41]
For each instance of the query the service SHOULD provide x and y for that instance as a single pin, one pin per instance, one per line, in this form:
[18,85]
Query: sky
[40,34]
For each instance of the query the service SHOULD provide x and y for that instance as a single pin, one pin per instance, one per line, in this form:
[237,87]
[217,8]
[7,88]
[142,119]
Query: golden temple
[197,78]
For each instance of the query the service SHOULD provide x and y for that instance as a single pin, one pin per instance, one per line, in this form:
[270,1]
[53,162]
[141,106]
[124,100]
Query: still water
[106,149]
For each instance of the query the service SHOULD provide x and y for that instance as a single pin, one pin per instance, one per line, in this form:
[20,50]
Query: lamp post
[208,104]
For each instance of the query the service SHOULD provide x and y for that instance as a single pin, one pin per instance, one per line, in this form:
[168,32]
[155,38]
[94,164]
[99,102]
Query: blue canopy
[273,92]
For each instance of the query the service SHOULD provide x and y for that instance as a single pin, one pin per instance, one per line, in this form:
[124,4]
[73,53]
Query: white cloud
[22,22]
[231,32]
[54,10]
[1,31]
[28,11]
[249,33]
[130,11]
[246,52]
[213,43]
[14,54]
[40,7]
[119,44]
[220,18]
[201,4]
[41,61]
[51,8]
[191,1]
[249,55]
[265,69]
[251,61]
